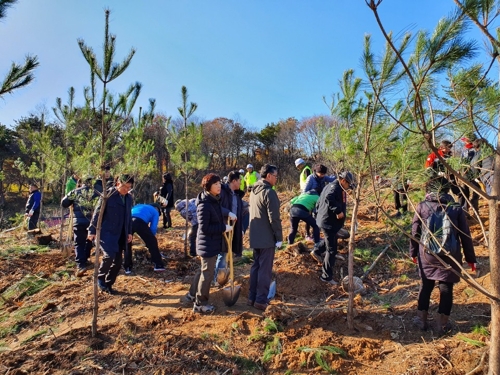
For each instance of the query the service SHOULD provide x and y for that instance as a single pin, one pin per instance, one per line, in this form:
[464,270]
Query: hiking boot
[443,325]
[159,269]
[189,297]
[204,309]
[105,288]
[331,282]
[128,271]
[260,306]
[80,271]
[250,302]
[316,257]
[421,320]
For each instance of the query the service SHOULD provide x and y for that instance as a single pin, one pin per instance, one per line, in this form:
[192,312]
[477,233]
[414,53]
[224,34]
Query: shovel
[223,273]
[231,293]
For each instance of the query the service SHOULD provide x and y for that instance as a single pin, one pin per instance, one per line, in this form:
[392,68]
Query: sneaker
[331,282]
[128,271]
[159,269]
[316,257]
[250,302]
[189,297]
[80,271]
[309,238]
[205,309]
[105,288]
[398,214]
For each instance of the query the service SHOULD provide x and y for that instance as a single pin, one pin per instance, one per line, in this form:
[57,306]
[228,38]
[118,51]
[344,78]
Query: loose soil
[149,328]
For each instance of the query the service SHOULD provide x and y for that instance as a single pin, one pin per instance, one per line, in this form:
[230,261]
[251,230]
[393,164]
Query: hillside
[149,329]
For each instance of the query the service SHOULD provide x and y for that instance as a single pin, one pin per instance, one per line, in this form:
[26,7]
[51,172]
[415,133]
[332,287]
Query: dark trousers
[331,251]
[167,220]
[111,263]
[400,200]
[140,227]
[474,200]
[261,274]
[445,296]
[192,234]
[82,245]
[309,220]
[33,221]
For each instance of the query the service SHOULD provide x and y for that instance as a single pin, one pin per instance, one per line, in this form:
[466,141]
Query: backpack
[439,233]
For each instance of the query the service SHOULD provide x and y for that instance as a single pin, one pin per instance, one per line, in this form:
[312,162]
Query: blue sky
[253,61]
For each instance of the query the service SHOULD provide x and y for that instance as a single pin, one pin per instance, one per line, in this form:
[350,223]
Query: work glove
[472,266]
[229,228]
[414,260]
[232,216]
[278,244]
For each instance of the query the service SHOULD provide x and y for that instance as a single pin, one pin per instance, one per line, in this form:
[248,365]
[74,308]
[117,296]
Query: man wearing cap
[82,200]
[33,206]
[332,206]
[145,219]
[251,177]
[304,170]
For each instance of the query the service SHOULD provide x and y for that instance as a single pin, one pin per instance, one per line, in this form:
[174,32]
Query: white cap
[241,171]
[249,166]
[299,161]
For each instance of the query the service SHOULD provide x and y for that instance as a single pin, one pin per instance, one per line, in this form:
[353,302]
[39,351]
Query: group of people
[219,208]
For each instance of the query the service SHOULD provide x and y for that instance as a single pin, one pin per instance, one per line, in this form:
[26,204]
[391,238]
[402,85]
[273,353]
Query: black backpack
[439,232]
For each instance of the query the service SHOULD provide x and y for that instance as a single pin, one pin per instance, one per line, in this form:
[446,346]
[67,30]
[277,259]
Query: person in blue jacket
[82,200]
[33,206]
[145,223]
[116,230]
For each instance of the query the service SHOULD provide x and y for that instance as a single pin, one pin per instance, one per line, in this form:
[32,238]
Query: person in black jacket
[209,242]
[167,192]
[116,230]
[33,206]
[107,177]
[82,200]
[332,206]
[231,199]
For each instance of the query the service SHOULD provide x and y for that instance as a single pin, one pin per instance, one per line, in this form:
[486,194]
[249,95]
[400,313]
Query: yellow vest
[250,178]
[303,177]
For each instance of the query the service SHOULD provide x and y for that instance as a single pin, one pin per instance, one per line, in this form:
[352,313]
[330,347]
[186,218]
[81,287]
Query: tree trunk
[95,308]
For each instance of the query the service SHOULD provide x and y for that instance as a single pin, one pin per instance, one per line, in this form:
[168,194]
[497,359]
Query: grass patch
[270,326]
[15,250]
[481,330]
[34,336]
[364,254]
[246,365]
[21,314]
[246,258]
[28,286]
[272,348]
[472,342]
[6,331]
[319,355]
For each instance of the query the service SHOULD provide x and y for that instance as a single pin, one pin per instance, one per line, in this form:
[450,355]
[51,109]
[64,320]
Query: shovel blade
[223,276]
[230,295]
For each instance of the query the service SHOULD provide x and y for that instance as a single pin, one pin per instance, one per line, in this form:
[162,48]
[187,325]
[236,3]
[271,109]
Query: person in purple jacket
[429,267]
[116,230]
[145,223]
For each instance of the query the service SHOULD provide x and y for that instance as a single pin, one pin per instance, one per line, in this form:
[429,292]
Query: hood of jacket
[260,186]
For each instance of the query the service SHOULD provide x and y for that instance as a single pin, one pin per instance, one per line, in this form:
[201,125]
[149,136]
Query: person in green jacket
[72,183]
[301,209]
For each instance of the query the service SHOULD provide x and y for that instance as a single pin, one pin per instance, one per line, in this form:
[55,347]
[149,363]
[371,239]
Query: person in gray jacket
[265,235]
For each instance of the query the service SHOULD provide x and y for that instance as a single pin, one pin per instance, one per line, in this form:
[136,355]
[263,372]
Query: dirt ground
[148,328]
